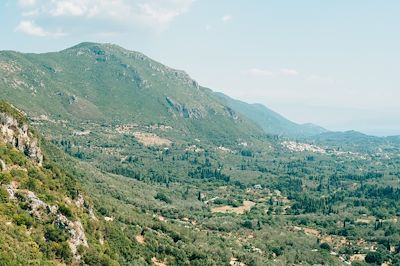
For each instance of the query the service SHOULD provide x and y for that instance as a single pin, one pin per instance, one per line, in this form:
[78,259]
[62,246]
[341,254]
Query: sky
[332,63]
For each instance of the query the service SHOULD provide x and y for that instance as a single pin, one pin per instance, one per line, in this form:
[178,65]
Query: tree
[161,196]
[325,246]
[374,257]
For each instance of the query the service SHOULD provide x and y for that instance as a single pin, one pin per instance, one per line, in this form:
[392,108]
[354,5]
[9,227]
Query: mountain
[120,160]
[45,216]
[355,141]
[108,84]
[270,121]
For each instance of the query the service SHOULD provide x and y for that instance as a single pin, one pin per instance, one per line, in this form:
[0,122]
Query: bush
[65,211]
[278,250]
[325,246]
[103,211]
[374,258]
[246,153]
[23,219]
[92,258]
[248,224]
[55,234]
[5,178]
[30,184]
[161,196]
[62,251]
[3,196]
[18,158]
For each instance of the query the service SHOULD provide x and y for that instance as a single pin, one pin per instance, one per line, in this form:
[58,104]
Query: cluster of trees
[204,172]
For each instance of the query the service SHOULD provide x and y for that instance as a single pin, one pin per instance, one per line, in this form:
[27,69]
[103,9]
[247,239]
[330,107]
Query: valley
[176,175]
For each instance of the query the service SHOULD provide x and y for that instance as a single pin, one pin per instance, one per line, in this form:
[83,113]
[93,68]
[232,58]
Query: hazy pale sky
[333,63]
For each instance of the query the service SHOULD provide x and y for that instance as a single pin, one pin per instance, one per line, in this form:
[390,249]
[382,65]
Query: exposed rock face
[183,110]
[37,206]
[40,210]
[231,113]
[80,202]
[11,191]
[11,132]
[76,231]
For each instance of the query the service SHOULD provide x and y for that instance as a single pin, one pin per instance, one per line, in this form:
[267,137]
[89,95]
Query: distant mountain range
[110,158]
[105,82]
[270,121]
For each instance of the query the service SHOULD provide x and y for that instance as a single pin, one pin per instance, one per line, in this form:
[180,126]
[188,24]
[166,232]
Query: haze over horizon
[332,64]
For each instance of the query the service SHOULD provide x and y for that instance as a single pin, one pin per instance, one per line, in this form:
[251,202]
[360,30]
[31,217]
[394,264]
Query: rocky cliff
[44,216]
[17,134]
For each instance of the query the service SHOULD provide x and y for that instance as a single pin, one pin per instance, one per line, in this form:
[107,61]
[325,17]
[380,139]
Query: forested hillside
[156,170]
[271,122]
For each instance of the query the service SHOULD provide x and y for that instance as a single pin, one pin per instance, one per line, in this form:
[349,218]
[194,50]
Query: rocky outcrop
[37,206]
[183,110]
[81,203]
[18,135]
[77,233]
[42,211]
[231,113]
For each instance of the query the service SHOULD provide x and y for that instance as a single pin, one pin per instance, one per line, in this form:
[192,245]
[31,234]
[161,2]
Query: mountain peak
[94,44]
[100,48]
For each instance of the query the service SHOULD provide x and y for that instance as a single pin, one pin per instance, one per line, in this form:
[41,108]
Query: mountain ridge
[105,82]
[174,90]
[270,121]
[179,177]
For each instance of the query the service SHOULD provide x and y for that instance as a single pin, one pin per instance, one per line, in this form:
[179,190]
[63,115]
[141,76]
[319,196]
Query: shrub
[278,251]
[65,211]
[5,178]
[325,246]
[23,219]
[247,153]
[53,233]
[103,211]
[248,224]
[92,258]
[30,184]
[62,251]
[161,196]
[374,257]
[3,196]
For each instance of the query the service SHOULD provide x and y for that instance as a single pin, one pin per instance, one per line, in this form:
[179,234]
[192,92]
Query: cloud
[226,18]
[29,27]
[260,72]
[69,8]
[30,13]
[27,3]
[157,14]
[289,72]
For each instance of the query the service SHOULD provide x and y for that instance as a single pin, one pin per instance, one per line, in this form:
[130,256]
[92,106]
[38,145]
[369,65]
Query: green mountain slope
[45,217]
[270,121]
[356,141]
[177,176]
[106,83]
